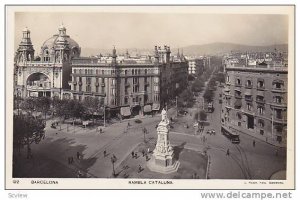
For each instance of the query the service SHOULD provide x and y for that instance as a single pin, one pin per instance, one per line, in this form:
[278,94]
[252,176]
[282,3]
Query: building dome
[51,42]
[60,41]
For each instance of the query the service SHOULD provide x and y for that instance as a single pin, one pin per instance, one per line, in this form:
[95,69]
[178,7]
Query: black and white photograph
[185,97]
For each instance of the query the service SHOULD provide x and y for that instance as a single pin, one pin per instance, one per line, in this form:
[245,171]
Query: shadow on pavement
[51,160]
[177,150]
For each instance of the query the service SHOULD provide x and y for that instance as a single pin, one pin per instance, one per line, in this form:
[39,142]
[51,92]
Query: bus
[231,135]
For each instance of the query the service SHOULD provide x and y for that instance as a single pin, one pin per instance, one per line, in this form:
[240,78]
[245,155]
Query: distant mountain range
[221,48]
[218,48]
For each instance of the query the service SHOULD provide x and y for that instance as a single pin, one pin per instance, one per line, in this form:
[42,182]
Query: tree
[186,98]
[26,130]
[29,104]
[191,77]
[43,105]
[198,85]
[93,106]
[208,95]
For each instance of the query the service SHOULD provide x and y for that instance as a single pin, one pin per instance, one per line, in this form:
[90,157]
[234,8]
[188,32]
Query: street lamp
[176,106]
[104,116]
[113,159]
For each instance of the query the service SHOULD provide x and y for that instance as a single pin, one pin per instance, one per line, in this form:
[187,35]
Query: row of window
[278,84]
[276,99]
[278,113]
[112,71]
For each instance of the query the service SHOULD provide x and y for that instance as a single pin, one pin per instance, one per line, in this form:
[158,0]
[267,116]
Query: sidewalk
[261,138]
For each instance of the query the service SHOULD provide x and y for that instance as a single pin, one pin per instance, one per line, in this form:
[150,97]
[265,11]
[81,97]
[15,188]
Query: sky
[145,30]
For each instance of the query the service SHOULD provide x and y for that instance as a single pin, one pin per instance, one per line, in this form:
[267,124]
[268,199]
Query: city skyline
[176,30]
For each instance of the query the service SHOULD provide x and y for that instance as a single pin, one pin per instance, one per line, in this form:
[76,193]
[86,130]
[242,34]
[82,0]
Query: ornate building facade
[49,73]
[129,86]
[255,98]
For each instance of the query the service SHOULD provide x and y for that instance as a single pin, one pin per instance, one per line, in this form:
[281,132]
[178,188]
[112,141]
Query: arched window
[46,55]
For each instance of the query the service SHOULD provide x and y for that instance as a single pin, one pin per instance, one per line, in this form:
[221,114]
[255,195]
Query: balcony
[37,88]
[135,103]
[238,96]
[147,83]
[99,94]
[238,85]
[248,98]
[97,84]
[102,84]
[80,83]
[260,100]
[260,87]
[127,84]
[279,120]
[279,105]
[279,90]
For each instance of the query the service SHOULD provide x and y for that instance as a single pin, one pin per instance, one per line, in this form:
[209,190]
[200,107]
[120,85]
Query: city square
[148,113]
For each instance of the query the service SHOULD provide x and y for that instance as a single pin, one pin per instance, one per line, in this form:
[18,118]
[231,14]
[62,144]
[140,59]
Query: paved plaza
[50,156]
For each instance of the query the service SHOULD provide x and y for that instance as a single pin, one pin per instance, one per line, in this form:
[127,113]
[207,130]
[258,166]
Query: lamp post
[176,106]
[104,116]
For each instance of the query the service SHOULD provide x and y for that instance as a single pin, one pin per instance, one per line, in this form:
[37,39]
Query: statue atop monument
[164,116]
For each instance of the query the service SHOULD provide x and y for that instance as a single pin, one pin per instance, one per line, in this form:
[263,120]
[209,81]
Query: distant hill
[221,48]
[205,49]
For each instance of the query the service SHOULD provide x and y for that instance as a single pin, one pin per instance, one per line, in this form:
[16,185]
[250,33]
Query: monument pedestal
[162,160]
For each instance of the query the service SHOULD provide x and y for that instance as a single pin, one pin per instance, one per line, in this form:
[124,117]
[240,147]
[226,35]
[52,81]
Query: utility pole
[176,106]
[272,118]
[104,117]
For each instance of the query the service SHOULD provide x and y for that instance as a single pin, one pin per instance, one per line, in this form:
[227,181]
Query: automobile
[211,132]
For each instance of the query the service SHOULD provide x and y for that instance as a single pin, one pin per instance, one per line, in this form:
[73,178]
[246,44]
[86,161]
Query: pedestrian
[56,133]
[79,174]
[104,153]
[71,160]
[135,155]
[143,152]
[253,143]
[132,154]
[140,168]
[128,124]
[100,130]
[78,155]
[146,157]
[148,150]
[227,152]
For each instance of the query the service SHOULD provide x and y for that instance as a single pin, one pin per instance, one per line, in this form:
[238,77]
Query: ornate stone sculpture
[163,155]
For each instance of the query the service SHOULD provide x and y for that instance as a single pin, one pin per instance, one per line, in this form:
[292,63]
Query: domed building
[47,75]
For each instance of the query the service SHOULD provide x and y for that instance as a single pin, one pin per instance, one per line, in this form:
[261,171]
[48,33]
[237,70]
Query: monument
[162,159]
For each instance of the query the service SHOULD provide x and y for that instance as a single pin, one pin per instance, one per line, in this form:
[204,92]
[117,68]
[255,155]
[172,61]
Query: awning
[260,93]
[237,89]
[147,108]
[238,103]
[278,81]
[125,111]
[155,106]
